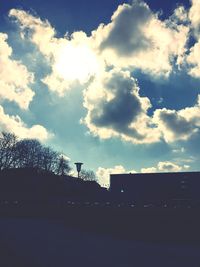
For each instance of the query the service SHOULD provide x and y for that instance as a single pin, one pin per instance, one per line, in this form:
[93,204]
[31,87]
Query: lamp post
[78,167]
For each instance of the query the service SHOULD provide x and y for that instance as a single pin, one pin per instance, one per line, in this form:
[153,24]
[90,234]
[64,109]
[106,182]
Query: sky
[112,84]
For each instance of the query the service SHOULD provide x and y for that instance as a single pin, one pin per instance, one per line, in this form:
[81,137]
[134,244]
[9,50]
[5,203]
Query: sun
[76,62]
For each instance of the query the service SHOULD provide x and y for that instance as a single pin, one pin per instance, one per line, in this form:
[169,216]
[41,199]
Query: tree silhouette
[8,143]
[30,153]
[63,166]
[49,160]
[88,175]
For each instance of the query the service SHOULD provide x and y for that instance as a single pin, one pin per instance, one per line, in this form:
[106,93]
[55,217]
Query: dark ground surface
[51,243]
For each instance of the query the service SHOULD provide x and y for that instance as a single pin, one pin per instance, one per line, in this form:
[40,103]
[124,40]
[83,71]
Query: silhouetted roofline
[154,173]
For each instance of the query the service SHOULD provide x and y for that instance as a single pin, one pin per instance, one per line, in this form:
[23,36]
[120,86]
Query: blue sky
[114,84]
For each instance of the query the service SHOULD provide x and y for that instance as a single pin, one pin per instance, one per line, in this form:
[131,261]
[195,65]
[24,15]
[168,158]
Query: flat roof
[155,173]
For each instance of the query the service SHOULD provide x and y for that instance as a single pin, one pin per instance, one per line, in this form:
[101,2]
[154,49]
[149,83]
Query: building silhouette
[155,186]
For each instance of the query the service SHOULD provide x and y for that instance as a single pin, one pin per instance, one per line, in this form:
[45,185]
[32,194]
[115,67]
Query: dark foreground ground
[27,242]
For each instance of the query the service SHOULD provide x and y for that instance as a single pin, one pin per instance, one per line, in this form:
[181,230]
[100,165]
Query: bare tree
[49,161]
[28,153]
[63,166]
[88,175]
[7,150]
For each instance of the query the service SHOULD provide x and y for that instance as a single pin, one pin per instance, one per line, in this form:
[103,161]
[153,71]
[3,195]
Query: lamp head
[78,166]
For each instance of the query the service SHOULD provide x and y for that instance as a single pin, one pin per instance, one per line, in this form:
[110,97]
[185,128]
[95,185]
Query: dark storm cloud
[122,109]
[177,124]
[126,35]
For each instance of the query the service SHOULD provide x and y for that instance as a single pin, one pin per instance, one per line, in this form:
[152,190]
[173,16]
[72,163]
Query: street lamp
[78,167]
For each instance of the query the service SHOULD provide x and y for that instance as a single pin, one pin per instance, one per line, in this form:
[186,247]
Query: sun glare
[76,63]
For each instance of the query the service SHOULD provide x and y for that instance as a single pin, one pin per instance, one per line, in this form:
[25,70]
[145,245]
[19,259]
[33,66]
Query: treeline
[30,153]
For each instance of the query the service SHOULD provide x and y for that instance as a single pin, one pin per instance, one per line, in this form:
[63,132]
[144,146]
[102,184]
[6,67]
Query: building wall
[154,186]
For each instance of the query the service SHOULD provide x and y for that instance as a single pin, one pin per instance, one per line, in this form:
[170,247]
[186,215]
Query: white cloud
[15,125]
[103,174]
[194,15]
[41,32]
[180,14]
[187,160]
[193,57]
[149,170]
[137,38]
[165,166]
[144,44]
[178,125]
[73,62]
[14,77]
[115,109]
[186,167]
[178,150]
[104,61]
[71,58]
